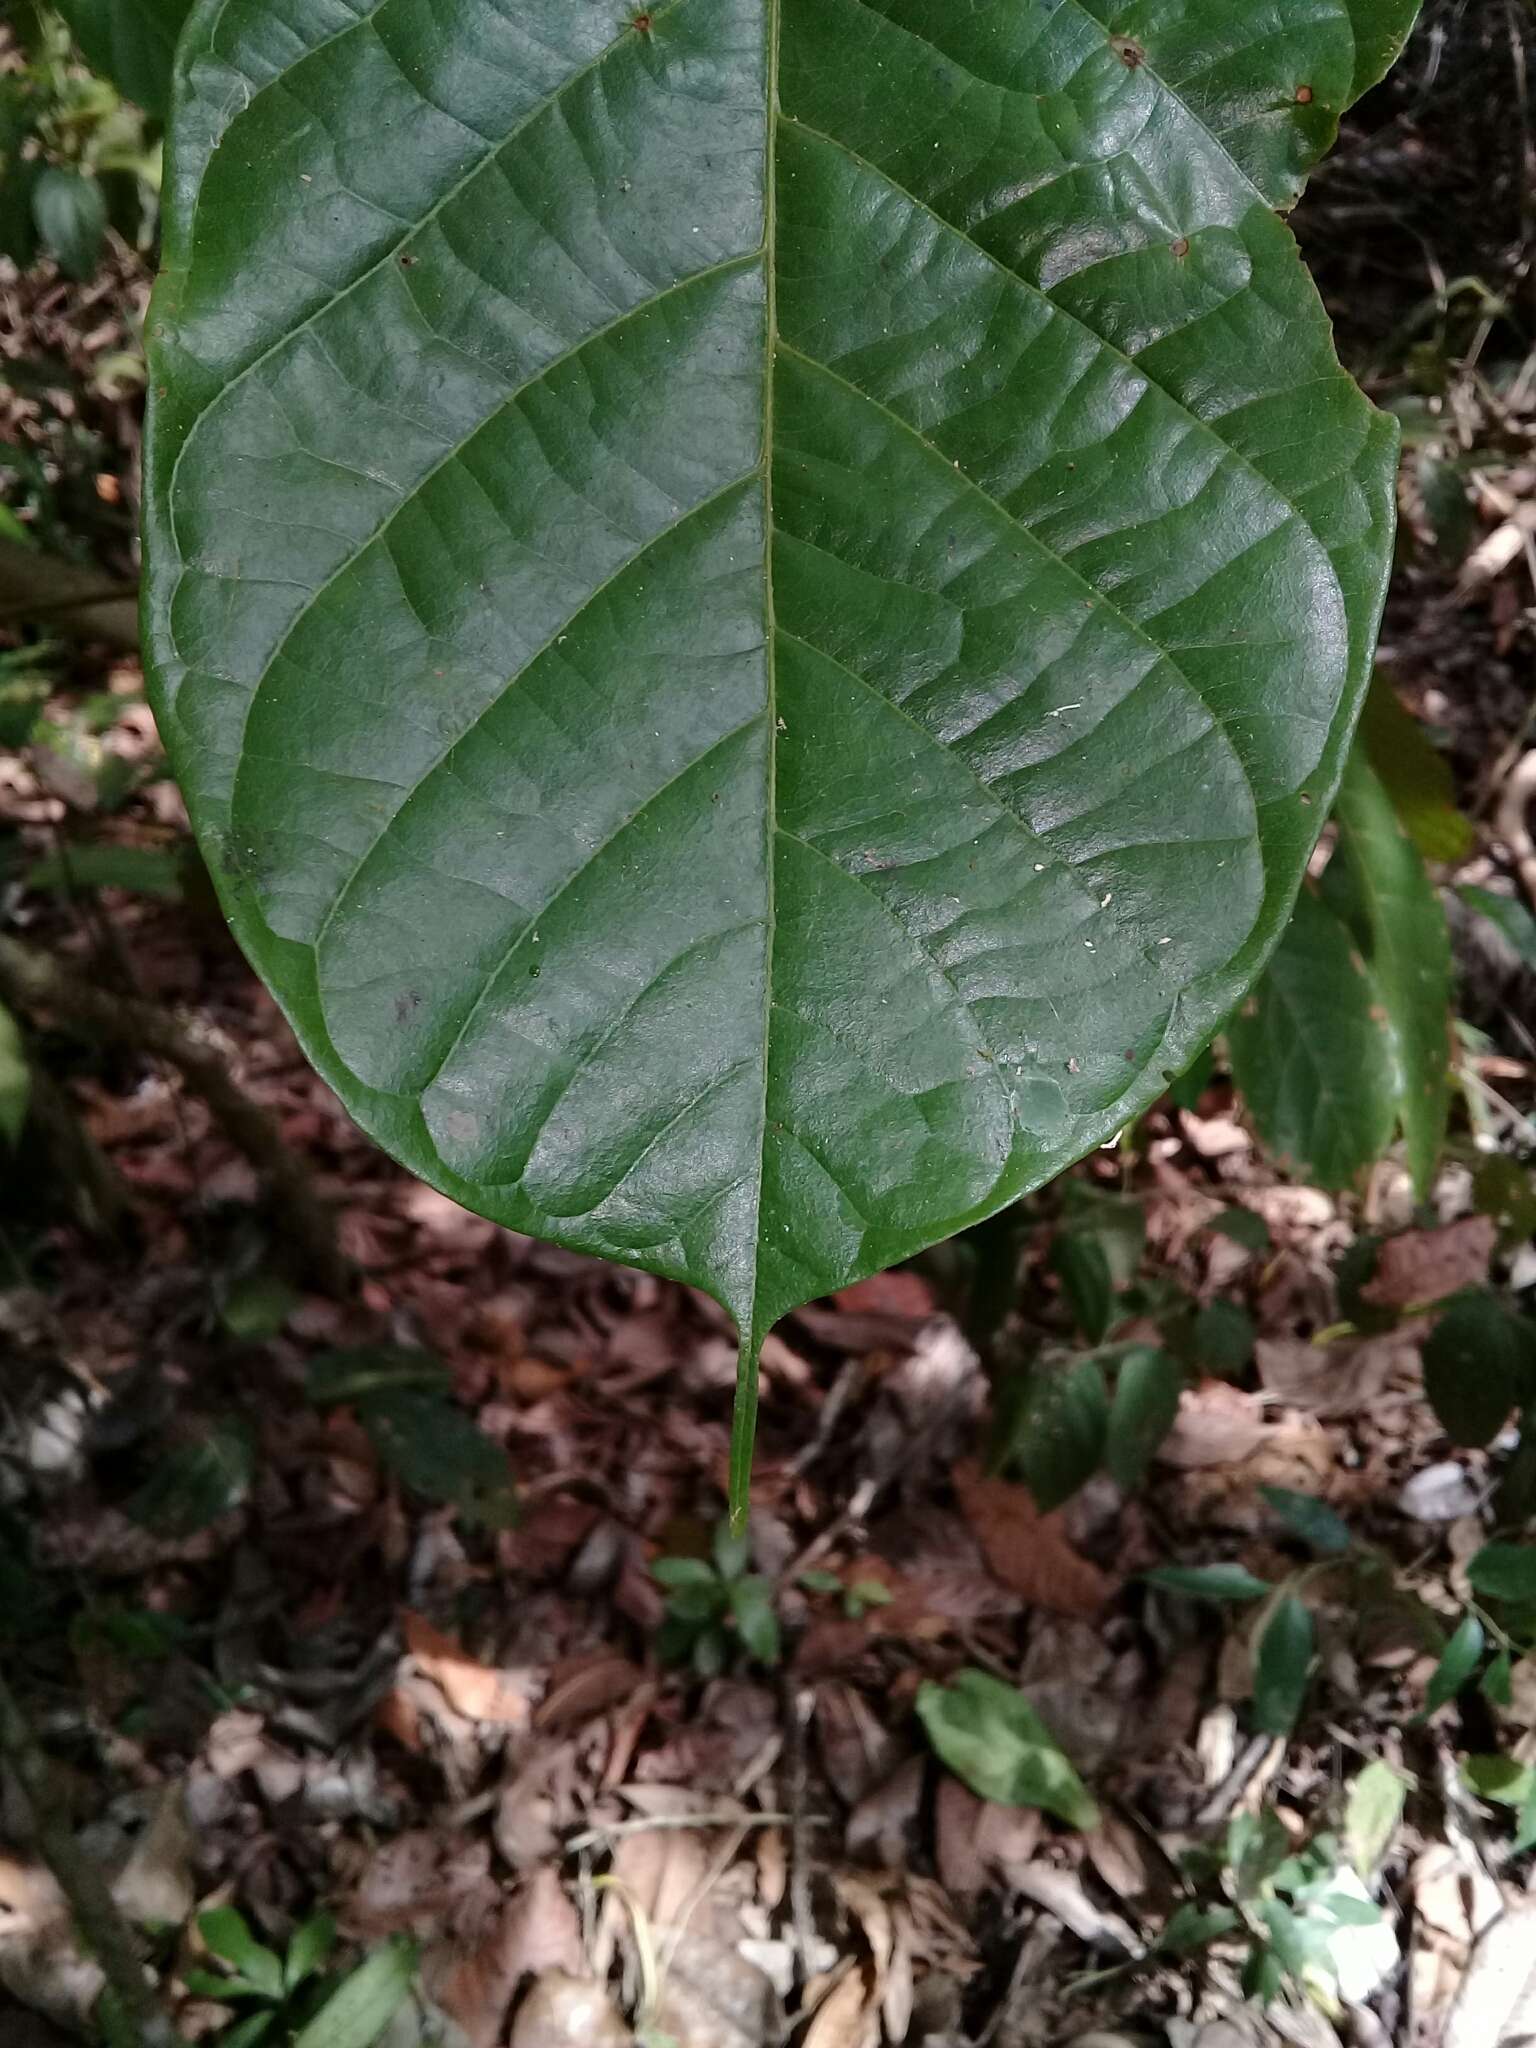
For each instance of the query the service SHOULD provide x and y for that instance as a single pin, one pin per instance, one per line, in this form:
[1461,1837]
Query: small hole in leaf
[1129,51]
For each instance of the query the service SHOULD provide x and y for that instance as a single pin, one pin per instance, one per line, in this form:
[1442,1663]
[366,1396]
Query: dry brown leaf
[899,1293]
[41,1961]
[478,1691]
[1028,1551]
[1427,1265]
[473,1974]
[582,1687]
[1216,1425]
[846,2017]
[1330,1381]
[563,2011]
[1115,1850]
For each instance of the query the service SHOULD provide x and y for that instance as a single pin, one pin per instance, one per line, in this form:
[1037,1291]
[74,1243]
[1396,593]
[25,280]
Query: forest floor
[289,1652]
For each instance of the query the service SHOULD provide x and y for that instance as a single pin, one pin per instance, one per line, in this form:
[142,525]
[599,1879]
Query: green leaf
[129,41]
[1082,1265]
[1472,1368]
[336,1377]
[227,1936]
[1504,1571]
[1510,917]
[15,1078]
[1407,949]
[1312,1519]
[1282,1667]
[1497,1685]
[1058,1439]
[356,2014]
[208,1984]
[1311,1054]
[147,870]
[438,1451]
[685,1571]
[1191,1927]
[247,2032]
[71,215]
[1244,1226]
[1371,1817]
[730,1550]
[756,1622]
[1458,1660]
[1221,1583]
[1499,1779]
[758,614]
[1144,1408]
[1416,778]
[197,1482]
[1221,1338]
[989,1735]
[310,1949]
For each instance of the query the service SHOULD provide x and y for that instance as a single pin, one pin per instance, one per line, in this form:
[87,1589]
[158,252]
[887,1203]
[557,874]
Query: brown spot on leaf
[1181,246]
[1303,95]
[641,23]
[1131,53]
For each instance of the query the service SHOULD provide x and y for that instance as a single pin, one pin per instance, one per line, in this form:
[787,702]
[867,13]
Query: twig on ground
[101,1925]
[32,981]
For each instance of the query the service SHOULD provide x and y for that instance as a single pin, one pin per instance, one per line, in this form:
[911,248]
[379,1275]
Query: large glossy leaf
[758,607]
[132,42]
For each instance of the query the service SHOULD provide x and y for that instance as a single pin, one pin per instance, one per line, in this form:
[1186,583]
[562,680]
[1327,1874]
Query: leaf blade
[585,927]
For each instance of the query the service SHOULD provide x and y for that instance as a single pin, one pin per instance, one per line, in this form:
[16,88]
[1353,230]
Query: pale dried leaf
[478,1691]
[1495,2006]
[845,2018]
[562,2011]
[155,1885]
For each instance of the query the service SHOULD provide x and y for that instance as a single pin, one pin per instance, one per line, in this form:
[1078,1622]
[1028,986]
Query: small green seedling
[856,1598]
[714,1604]
[292,2001]
[1287,1905]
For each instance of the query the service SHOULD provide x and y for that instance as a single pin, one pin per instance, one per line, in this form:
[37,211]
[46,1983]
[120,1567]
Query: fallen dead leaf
[472,1974]
[846,2016]
[1028,1551]
[1330,1381]
[1495,2004]
[562,2011]
[582,1687]
[1427,1265]
[478,1691]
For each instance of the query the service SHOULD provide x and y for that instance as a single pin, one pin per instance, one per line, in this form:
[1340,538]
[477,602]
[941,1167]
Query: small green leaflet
[1473,1361]
[1282,1667]
[991,1737]
[1458,1660]
[1312,1519]
[1348,1034]
[129,41]
[1508,915]
[15,1078]
[198,1481]
[357,2014]
[1505,1571]
[1057,1442]
[1221,1583]
[1145,1406]
[1371,1817]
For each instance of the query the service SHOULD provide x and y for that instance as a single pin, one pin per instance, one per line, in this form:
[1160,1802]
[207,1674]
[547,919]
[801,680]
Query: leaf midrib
[744,1413]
